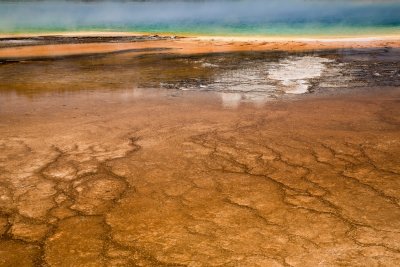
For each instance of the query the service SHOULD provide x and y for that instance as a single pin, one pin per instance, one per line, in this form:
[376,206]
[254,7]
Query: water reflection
[231,100]
[262,81]
[295,73]
[236,78]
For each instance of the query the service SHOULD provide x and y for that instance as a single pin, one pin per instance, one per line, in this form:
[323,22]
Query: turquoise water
[248,17]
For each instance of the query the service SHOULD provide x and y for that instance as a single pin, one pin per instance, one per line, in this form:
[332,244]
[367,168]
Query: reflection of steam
[262,82]
[295,73]
[138,92]
[231,100]
[258,99]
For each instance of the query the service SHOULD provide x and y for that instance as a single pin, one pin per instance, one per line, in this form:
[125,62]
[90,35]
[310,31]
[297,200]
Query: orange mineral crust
[172,158]
[196,45]
[159,180]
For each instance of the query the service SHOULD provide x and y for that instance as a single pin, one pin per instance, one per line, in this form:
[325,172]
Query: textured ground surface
[168,177]
[166,180]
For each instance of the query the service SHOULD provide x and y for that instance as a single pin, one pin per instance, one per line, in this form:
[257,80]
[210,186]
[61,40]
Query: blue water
[248,17]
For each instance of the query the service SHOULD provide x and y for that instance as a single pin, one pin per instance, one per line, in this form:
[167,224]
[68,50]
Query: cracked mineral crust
[156,177]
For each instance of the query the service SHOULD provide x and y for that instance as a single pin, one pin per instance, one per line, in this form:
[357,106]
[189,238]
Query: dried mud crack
[57,214]
[261,187]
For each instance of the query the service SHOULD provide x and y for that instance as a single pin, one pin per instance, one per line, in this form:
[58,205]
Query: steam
[71,15]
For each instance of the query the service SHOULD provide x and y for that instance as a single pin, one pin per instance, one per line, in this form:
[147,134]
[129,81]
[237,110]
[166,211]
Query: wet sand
[96,171]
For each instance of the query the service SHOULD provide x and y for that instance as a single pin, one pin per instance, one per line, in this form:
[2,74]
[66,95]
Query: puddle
[262,81]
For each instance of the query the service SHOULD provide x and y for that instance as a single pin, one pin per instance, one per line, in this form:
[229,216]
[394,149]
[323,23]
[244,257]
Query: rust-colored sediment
[178,181]
[198,45]
[164,178]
